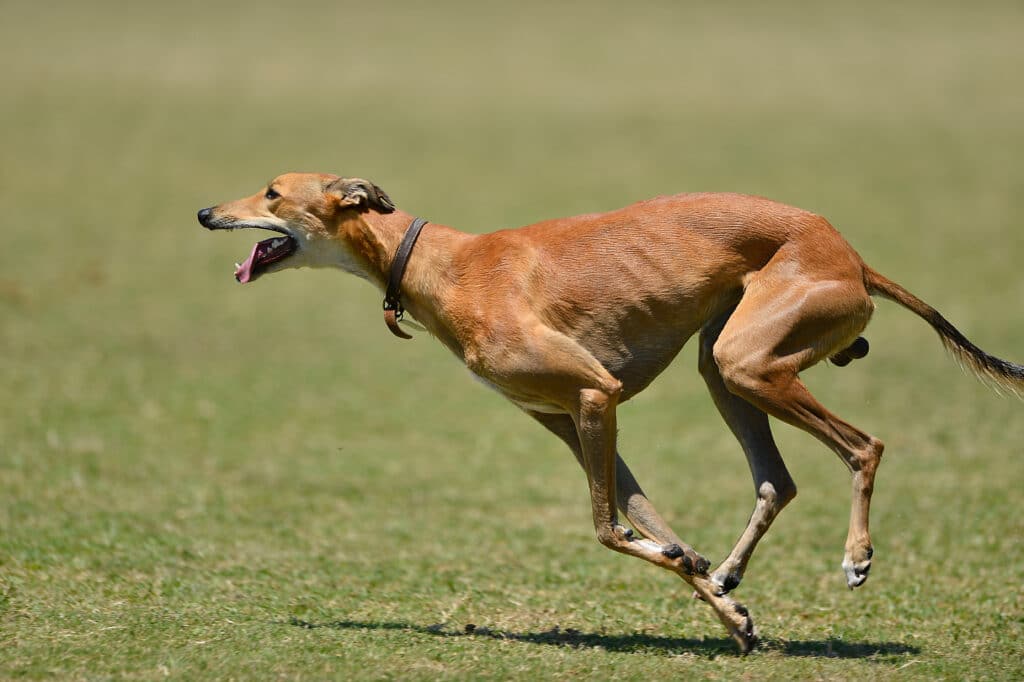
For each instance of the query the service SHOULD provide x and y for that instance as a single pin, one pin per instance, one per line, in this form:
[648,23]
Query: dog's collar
[393,309]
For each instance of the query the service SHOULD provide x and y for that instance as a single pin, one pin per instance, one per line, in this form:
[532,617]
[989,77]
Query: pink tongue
[243,273]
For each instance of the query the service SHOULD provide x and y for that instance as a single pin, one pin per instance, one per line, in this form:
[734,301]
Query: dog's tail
[997,373]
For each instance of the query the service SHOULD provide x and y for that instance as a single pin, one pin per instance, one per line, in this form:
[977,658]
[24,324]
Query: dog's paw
[745,635]
[691,562]
[857,571]
[727,581]
[723,582]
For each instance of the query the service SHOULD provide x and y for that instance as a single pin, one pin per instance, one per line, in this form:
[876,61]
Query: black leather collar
[393,309]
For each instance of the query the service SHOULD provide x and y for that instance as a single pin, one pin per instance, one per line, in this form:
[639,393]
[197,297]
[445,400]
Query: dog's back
[632,285]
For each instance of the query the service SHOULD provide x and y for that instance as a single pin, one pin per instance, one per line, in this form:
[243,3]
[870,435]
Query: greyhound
[569,318]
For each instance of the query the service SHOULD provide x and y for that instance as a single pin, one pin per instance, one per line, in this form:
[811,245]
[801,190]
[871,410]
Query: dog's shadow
[638,642]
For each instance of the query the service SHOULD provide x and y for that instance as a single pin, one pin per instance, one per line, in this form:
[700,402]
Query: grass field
[200,480]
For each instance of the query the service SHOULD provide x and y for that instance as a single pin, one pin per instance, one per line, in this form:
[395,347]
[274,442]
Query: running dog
[569,318]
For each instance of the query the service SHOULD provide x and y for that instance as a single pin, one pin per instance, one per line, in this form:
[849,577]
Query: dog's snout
[205,214]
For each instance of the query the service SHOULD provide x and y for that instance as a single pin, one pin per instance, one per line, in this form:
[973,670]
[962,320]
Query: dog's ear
[360,194]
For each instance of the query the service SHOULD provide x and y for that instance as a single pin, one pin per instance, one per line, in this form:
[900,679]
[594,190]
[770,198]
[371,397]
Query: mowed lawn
[200,480]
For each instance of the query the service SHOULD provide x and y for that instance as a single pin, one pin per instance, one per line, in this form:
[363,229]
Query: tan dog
[568,318]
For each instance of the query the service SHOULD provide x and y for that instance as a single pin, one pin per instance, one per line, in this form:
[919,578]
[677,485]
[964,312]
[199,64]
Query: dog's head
[316,216]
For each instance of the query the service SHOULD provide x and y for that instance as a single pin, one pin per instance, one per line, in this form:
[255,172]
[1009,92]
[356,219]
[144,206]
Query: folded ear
[360,194]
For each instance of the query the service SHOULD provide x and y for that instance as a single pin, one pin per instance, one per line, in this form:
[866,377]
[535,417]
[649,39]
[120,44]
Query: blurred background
[150,407]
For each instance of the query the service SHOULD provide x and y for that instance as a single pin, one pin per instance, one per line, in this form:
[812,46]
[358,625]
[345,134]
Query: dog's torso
[630,286]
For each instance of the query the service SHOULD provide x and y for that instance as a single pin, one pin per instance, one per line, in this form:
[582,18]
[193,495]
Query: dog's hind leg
[783,325]
[772,483]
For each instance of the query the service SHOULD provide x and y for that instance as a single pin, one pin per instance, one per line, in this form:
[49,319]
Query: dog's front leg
[556,371]
[630,497]
[642,515]
[596,426]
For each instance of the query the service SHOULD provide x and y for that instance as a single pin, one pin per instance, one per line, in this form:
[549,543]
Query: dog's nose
[204,216]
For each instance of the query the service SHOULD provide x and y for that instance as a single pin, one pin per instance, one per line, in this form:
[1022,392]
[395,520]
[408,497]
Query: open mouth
[264,254]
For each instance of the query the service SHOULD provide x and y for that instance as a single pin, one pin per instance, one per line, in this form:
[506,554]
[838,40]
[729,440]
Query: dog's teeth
[238,266]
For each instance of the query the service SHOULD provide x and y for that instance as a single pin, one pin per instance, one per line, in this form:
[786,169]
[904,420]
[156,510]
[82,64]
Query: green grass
[205,481]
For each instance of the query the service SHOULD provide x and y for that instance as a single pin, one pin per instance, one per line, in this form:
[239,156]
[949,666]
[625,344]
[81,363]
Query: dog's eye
[271,195]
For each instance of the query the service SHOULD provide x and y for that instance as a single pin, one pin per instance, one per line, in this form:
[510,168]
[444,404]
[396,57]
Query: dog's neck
[430,272]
